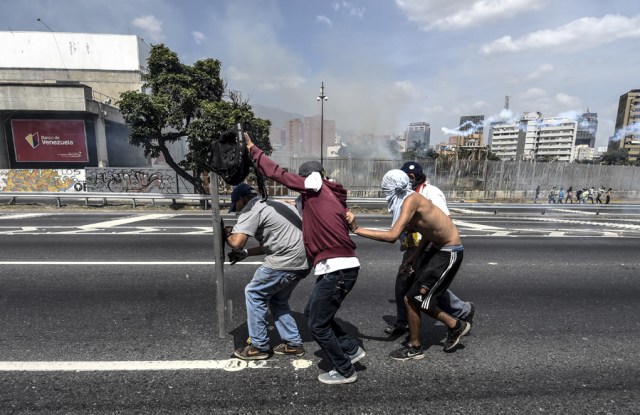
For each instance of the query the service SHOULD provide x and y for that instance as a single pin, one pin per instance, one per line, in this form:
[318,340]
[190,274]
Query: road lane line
[24,215]
[123,263]
[123,221]
[230,365]
[477,226]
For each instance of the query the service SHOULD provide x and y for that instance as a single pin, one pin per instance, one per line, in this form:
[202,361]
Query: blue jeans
[271,289]
[447,302]
[327,296]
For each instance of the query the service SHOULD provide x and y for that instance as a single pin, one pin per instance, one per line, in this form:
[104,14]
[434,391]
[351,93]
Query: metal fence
[363,177]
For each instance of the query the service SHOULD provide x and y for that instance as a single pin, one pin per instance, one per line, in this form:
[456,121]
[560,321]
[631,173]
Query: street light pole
[322,98]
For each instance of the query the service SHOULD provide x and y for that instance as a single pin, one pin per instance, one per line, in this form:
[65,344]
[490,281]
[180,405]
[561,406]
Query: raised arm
[271,169]
[409,207]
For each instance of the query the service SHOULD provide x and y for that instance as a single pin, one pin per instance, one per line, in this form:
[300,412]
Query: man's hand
[351,220]
[247,140]
[237,255]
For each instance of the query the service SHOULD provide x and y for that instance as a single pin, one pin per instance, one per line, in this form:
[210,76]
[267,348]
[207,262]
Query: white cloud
[583,33]
[350,8]
[199,37]
[151,25]
[540,71]
[534,93]
[461,14]
[567,100]
[325,20]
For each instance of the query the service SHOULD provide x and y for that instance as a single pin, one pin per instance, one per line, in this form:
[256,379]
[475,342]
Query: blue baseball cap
[239,191]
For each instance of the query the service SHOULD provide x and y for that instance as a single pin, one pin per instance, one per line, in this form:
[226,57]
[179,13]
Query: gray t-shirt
[278,228]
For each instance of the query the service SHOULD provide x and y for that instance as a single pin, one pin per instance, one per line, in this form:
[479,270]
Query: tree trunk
[195,181]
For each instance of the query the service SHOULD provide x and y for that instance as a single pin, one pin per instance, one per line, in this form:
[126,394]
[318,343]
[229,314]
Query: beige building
[58,99]
[535,137]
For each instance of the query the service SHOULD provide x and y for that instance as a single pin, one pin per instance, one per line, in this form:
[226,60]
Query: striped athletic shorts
[438,267]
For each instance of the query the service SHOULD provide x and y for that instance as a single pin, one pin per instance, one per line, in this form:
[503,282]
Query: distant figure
[590,195]
[569,195]
[599,194]
[608,195]
[561,195]
[552,195]
[537,195]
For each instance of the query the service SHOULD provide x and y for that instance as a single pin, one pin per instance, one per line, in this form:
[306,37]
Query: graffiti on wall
[42,180]
[141,180]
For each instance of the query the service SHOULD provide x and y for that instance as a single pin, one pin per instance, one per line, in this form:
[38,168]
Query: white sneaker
[359,354]
[334,378]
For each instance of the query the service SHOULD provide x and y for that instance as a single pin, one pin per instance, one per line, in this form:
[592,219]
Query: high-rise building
[418,132]
[627,132]
[535,137]
[311,134]
[302,136]
[587,128]
[472,130]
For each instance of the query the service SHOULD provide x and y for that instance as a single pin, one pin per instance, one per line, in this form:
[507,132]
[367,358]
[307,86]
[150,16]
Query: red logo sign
[50,141]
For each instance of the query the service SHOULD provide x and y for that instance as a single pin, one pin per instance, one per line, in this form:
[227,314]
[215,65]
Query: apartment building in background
[418,132]
[535,137]
[587,129]
[627,131]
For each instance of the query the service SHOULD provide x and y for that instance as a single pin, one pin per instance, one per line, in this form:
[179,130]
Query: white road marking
[230,365]
[123,263]
[473,212]
[582,212]
[23,229]
[116,222]
[476,226]
[581,222]
[24,215]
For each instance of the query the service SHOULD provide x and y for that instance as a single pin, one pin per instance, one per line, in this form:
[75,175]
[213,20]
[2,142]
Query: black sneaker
[472,313]
[396,329]
[251,353]
[454,335]
[407,353]
[469,317]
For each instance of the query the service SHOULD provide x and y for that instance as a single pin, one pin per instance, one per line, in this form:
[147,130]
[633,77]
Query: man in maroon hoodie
[326,239]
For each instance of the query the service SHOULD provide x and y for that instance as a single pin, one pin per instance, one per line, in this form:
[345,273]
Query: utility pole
[322,98]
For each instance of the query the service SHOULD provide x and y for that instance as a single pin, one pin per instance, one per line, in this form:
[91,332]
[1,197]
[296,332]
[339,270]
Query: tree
[190,102]
[619,156]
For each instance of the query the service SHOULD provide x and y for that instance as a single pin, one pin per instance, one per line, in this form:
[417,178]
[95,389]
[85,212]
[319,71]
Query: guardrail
[354,202]
[86,196]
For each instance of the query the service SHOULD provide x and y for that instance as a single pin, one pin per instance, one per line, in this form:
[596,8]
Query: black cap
[239,191]
[411,167]
[309,167]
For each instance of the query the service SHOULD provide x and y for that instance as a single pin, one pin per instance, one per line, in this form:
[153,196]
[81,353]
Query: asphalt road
[116,313]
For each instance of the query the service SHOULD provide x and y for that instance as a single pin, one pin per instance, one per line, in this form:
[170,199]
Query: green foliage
[618,157]
[190,102]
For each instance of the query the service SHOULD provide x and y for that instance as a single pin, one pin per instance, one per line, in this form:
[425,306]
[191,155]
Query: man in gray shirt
[278,229]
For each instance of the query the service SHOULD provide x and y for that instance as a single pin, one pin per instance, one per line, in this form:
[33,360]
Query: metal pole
[221,293]
[322,98]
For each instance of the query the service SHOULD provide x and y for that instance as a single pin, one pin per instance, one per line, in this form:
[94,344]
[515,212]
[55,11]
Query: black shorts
[438,267]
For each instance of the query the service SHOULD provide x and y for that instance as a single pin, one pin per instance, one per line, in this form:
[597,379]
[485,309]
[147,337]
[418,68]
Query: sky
[386,63]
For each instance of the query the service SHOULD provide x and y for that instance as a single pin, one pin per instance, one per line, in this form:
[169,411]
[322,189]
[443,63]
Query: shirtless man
[441,251]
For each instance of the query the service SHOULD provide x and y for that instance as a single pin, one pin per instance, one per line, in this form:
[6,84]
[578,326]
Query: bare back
[432,223]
